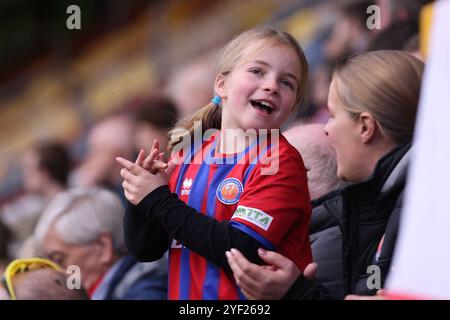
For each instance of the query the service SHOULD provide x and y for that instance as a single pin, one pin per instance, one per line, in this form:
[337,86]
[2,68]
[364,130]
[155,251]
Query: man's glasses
[21,266]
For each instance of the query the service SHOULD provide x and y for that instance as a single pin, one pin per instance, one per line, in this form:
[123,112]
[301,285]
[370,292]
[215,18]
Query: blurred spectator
[315,109]
[83,227]
[349,33]
[45,172]
[39,283]
[108,139]
[399,10]
[45,169]
[346,34]
[412,46]
[190,86]
[153,119]
[319,157]
[394,37]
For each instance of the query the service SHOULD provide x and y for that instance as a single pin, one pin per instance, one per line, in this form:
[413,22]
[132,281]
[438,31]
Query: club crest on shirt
[229,191]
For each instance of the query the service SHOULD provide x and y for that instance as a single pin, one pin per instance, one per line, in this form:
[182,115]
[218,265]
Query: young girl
[220,197]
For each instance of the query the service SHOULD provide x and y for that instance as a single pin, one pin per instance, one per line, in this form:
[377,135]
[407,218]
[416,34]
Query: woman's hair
[210,115]
[53,157]
[81,215]
[384,83]
[157,111]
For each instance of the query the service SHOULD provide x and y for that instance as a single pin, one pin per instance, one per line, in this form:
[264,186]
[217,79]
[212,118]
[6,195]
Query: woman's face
[345,138]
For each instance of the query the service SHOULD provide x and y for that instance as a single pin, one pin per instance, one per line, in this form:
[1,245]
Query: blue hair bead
[216,100]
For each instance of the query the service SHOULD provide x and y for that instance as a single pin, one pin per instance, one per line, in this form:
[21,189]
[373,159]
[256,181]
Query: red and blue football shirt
[262,191]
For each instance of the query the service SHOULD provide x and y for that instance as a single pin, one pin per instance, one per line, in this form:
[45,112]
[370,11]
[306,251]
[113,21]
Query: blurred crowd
[70,204]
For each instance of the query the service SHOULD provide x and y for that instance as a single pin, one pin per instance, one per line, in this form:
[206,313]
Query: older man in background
[83,227]
[318,155]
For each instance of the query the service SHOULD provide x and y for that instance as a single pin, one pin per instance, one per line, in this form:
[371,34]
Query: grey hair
[318,156]
[322,169]
[81,215]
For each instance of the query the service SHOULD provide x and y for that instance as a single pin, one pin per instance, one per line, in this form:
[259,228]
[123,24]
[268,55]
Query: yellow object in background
[24,265]
[426,18]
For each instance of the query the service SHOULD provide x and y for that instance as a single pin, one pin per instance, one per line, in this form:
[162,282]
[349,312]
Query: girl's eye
[287,84]
[256,71]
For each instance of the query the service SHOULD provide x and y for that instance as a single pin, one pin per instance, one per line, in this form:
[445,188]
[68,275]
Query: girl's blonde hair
[384,83]
[210,116]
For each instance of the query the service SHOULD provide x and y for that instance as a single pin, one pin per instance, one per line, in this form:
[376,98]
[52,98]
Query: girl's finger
[156,143]
[129,196]
[140,158]
[128,176]
[170,167]
[160,165]
[128,187]
[147,164]
[124,163]
[124,173]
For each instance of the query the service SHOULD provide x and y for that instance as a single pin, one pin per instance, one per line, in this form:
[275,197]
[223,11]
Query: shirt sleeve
[144,236]
[272,204]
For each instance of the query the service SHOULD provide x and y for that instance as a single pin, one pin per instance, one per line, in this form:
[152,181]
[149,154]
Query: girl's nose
[271,85]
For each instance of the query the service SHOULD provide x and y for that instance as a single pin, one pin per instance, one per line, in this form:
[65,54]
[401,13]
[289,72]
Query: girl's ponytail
[209,117]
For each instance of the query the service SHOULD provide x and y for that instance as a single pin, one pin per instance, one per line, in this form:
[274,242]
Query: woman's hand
[265,282]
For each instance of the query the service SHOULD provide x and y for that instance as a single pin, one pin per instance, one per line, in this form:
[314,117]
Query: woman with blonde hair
[373,101]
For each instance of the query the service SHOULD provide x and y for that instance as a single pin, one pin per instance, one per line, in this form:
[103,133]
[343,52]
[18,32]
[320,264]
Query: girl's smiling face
[261,90]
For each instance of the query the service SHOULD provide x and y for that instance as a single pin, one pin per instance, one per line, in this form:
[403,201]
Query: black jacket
[347,227]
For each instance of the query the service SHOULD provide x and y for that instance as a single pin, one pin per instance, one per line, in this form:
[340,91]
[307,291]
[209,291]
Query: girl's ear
[220,87]
[368,127]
